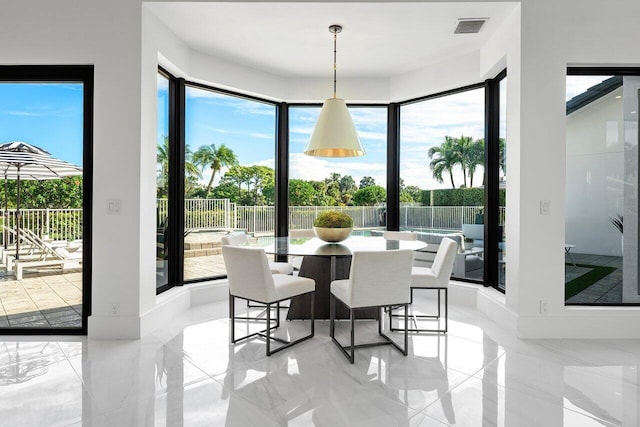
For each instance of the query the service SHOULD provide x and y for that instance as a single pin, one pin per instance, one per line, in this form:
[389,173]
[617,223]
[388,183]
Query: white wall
[595,169]
[110,35]
[555,34]
[105,34]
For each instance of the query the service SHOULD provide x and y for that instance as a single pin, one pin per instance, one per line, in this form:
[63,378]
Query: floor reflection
[476,375]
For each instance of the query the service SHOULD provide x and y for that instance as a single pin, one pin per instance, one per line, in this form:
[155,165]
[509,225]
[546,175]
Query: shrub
[333,219]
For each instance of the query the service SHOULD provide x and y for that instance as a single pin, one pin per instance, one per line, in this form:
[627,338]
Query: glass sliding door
[229,175]
[601,231]
[441,175]
[45,240]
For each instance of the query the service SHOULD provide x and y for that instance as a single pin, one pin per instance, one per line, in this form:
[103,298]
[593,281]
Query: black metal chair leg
[332,316]
[232,316]
[268,329]
[406,329]
[353,335]
[446,310]
[313,318]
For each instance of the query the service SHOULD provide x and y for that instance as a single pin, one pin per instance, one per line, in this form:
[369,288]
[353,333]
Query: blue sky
[248,128]
[48,115]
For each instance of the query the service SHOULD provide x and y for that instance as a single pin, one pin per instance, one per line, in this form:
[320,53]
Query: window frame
[393,168]
[65,74]
[604,71]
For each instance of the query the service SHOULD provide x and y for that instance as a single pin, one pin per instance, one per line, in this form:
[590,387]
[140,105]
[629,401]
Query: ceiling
[292,39]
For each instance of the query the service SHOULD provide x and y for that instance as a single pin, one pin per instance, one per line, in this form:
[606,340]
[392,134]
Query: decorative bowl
[332,235]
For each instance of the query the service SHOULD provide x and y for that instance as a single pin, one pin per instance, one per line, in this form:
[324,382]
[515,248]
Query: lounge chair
[45,255]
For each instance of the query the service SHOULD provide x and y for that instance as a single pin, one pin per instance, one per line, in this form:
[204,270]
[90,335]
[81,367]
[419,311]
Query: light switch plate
[114,207]
[545,207]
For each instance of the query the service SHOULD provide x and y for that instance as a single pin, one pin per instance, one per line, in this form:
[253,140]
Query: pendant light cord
[335,44]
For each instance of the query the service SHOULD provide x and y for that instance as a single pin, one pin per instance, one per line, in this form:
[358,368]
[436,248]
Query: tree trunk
[451,176]
[213,174]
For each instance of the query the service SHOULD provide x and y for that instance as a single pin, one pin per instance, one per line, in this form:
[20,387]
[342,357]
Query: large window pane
[502,173]
[229,176]
[162,187]
[44,230]
[441,172]
[355,185]
[602,189]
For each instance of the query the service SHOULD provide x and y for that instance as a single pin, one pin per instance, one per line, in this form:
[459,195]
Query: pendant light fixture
[334,134]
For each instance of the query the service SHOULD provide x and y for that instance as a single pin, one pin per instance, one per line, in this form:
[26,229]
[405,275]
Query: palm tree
[444,158]
[475,158]
[464,146]
[214,158]
[162,159]
[191,172]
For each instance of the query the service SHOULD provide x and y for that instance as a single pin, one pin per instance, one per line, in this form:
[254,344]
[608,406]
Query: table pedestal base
[319,268]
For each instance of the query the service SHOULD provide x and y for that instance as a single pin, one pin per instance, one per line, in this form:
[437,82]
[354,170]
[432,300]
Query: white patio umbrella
[20,160]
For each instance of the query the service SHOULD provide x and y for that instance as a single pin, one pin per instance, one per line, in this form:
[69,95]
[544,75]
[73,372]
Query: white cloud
[24,113]
[427,123]
[239,105]
[238,132]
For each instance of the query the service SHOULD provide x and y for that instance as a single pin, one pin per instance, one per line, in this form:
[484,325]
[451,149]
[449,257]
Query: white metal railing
[203,214]
[302,217]
[442,217]
[57,224]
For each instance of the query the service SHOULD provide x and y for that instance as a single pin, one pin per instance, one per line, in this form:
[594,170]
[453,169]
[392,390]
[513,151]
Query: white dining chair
[241,239]
[251,279]
[434,278]
[400,235]
[376,279]
[295,260]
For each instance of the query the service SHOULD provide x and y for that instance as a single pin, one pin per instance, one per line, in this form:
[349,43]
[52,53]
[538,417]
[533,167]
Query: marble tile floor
[187,374]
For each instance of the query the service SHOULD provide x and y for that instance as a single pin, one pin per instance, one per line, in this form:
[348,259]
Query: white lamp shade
[334,134]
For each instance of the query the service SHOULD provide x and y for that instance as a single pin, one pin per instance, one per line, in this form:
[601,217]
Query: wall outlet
[114,309]
[543,306]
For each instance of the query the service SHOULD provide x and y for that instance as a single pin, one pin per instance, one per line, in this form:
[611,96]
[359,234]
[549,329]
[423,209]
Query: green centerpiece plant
[333,226]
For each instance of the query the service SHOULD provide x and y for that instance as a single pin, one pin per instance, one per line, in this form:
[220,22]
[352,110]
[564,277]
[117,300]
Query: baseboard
[209,292]
[114,327]
[168,305]
[461,293]
[491,303]
[589,324]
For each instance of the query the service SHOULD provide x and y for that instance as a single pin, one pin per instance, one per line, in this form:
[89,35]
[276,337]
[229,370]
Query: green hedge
[458,197]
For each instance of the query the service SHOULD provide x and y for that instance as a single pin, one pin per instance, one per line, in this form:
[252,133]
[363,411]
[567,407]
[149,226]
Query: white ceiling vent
[469,25]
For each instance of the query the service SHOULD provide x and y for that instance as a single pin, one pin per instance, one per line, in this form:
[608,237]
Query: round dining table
[325,262]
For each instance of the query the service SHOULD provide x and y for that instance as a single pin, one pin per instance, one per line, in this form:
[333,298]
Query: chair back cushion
[248,273]
[445,257]
[380,277]
[235,239]
[400,235]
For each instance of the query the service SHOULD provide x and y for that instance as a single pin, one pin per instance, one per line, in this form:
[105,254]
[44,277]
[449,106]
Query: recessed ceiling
[293,40]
